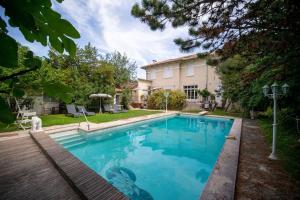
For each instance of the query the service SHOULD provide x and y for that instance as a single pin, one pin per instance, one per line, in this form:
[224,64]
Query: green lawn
[288,146]
[224,113]
[60,119]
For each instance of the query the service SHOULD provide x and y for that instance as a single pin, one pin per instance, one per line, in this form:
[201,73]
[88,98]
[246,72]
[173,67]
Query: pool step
[69,137]
[73,144]
[69,140]
[66,137]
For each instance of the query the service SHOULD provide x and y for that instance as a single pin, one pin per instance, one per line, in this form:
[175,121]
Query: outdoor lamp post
[166,94]
[275,94]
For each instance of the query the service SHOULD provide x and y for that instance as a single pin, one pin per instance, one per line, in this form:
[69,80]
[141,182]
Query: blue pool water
[168,158]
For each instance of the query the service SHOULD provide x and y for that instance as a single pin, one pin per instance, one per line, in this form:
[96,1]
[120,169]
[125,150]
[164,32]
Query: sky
[109,26]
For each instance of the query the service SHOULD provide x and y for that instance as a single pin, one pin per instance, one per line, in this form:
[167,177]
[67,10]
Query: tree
[84,73]
[204,93]
[264,33]
[125,70]
[37,22]
[230,71]
[214,23]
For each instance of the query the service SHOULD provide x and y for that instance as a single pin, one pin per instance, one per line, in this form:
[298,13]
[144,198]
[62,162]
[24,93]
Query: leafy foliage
[259,42]
[6,114]
[126,97]
[230,71]
[88,72]
[215,23]
[37,22]
[125,70]
[176,100]
[204,93]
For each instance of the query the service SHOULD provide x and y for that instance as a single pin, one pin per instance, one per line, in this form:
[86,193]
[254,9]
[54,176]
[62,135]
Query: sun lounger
[82,109]
[108,108]
[115,109]
[118,108]
[72,111]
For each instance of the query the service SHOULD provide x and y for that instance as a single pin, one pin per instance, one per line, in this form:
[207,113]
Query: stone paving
[258,177]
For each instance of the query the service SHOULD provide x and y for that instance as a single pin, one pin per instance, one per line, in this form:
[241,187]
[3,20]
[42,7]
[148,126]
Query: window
[152,74]
[190,70]
[191,91]
[168,72]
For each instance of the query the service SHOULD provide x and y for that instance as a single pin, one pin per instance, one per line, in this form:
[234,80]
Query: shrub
[156,100]
[126,97]
[176,100]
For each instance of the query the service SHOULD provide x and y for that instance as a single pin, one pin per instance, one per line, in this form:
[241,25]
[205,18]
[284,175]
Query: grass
[288,146]
[7,127]
[61,119]
[224,113]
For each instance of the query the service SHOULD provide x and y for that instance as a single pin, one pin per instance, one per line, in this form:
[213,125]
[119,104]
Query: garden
[253,43]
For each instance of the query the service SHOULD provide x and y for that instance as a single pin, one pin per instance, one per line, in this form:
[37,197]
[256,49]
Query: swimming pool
[166,158]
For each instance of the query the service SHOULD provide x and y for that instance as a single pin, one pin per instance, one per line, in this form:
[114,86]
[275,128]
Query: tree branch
[20,73]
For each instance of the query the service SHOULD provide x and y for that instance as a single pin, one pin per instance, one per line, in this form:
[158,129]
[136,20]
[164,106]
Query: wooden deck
[87,183]
[26,173]
[38,168]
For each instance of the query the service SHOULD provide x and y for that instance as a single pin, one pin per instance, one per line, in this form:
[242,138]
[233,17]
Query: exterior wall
[202,74]
[199,77]
[161,82]
[42,106]
[213,79]
[141,89]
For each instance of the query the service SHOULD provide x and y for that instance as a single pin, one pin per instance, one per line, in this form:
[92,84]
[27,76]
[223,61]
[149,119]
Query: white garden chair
[23,119]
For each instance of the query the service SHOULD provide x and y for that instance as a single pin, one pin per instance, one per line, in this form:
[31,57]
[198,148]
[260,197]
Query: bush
[156,100]
[176,100]
[126,97]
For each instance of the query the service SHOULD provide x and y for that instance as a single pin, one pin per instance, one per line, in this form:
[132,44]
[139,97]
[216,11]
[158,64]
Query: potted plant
[205,94]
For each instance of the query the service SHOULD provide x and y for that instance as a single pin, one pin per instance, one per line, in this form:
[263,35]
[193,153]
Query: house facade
[140,92]
[188,74]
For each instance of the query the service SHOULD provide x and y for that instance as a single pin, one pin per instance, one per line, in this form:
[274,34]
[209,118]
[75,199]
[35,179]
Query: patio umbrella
[100,96]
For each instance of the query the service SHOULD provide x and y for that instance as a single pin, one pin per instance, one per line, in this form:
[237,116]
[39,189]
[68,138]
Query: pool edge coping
[222,180]
[111,124]
[82,179]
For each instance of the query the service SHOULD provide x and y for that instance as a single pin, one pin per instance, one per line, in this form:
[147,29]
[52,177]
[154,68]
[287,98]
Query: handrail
[87,121]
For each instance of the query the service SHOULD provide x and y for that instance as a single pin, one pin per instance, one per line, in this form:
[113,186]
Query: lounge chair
[82,109]
[72,111]
[108,108]
[117,108]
